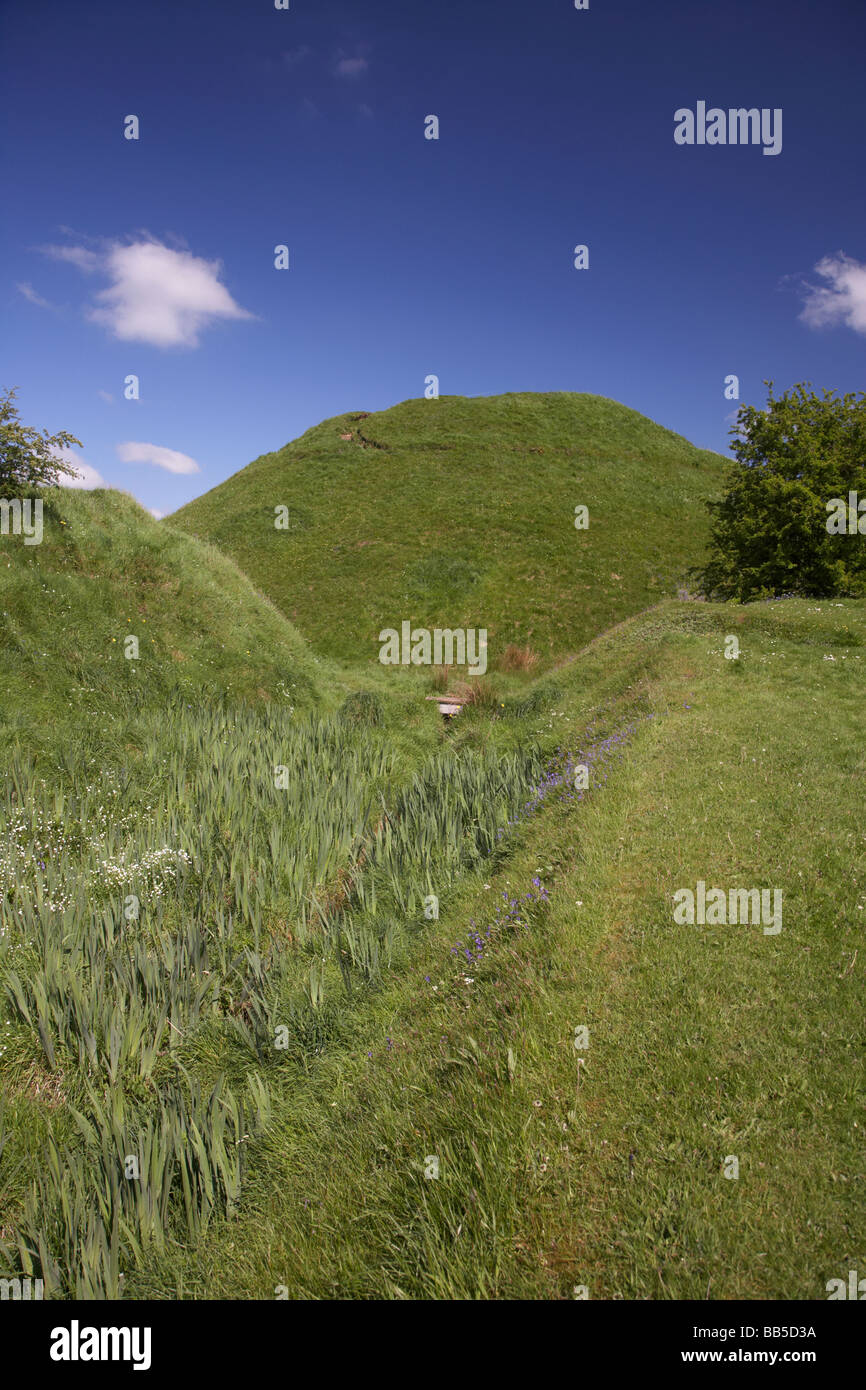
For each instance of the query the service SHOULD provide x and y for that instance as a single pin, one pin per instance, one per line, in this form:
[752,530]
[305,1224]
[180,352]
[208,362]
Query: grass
[294,975]
[703,1043]
[518,659]
[178,911]
[106,570]
[287,954]
[460,513]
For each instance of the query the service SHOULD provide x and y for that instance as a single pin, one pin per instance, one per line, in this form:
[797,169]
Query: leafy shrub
[27,457]
[769,533]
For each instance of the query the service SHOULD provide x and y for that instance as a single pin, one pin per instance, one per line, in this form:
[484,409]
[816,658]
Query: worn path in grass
[705,1043]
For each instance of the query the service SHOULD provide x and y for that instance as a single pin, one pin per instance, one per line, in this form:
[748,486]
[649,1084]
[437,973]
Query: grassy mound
[105,571]
[460,513]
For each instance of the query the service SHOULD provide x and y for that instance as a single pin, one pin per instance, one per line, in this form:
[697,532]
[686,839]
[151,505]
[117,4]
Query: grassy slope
[704,1042]
[106,569]
[464,517]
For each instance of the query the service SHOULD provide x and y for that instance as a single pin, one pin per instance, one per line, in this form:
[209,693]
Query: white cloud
[162,297]
[293,56]
[106,396]
[85,260]
[351,67]
[154,511]
[89,478]
[25,288]
[156,295]
[843,299]
[155,454]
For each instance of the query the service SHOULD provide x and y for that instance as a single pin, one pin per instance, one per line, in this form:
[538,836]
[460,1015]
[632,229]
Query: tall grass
[208,899]
[141,1181]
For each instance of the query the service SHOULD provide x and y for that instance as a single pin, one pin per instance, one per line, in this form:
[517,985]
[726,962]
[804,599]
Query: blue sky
[408,256]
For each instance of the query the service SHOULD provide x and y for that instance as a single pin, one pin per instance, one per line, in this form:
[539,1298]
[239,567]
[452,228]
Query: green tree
[769,532]
[27,458]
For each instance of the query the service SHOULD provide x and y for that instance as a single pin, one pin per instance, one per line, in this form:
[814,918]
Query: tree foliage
[27,456]
[769,532]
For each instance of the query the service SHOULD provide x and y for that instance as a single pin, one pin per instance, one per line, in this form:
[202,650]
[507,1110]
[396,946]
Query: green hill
[460,512]
[106,570]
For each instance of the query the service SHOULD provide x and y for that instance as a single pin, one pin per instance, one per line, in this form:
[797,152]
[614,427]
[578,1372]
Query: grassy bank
[387,1038]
